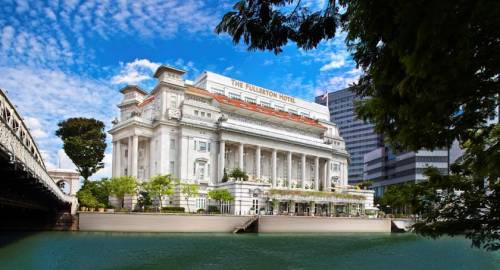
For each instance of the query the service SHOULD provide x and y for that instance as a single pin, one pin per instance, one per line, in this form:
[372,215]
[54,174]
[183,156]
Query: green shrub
[238,173]
[200,211]
[212,209]
[172,209]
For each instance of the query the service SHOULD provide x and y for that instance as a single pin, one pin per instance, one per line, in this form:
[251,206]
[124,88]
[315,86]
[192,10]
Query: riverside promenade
[153,222]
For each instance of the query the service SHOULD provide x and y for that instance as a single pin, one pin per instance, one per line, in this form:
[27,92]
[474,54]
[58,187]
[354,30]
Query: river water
[82,250]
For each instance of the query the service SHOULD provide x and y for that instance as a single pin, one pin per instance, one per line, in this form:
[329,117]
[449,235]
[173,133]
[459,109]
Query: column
[274,169]
[257,162]
[312,208]
[129,157]
[241,153]
[303,171]
[289,171]
[221,163]
[327,184]
[135,154]
[316,173]
[113,160]
[118,160]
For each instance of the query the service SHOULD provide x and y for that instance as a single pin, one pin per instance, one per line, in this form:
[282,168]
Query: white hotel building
[294,157]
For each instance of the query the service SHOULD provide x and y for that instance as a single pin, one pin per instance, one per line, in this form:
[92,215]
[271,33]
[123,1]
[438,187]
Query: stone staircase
[251,225]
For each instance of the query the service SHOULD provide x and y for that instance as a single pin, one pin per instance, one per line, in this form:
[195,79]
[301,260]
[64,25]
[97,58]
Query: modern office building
[294,157]
[384,167]
[358,135]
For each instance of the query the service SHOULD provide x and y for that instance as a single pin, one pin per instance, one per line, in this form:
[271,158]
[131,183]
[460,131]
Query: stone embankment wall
[290,224]
[148,222]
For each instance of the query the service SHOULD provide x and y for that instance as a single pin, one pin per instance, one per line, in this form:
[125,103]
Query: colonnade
[325,183]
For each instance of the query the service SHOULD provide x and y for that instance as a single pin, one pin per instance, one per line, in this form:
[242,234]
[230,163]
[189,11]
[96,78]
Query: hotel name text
[262,91]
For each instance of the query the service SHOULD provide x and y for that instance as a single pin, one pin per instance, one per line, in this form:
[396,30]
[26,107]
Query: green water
[80,250]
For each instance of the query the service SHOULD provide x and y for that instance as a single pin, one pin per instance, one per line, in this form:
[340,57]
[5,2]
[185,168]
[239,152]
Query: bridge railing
[17,142]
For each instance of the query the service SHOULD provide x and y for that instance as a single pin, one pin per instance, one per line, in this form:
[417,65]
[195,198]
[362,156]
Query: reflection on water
[85,250]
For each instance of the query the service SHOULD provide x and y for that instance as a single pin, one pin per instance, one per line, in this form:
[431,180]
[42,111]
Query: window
[172,144]
[173,101]
[201,203]
[265,104]
[218,91]
[306,114]
[199,170]
[202,114]
[251,100]
[196,112]
[203,147]
[279,108]
[234,95]
[292,111]
[172,167]
[209,115]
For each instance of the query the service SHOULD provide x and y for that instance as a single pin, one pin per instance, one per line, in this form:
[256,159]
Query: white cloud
[106,171]
[55,34]
[64,162]
[135,72]
[337,60]
[44,97]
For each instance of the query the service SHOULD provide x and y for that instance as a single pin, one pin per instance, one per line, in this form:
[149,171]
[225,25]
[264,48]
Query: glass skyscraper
[359,136]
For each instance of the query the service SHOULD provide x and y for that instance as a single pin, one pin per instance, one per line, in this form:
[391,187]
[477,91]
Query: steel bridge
[28,195]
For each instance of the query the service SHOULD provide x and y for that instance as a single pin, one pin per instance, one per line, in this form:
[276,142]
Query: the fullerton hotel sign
[262,91]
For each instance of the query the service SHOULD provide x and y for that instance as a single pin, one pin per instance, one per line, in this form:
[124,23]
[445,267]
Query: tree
[220,195]
[238,173]
[468,200]
[189,191]
[84,141]
[86,198]
[159,186]
[431,70]
[121,186]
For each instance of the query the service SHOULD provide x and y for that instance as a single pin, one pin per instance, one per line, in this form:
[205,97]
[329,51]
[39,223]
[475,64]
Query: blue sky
[61,59]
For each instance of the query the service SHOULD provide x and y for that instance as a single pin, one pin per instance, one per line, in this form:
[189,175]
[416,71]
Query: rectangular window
[173,101]
[202,114]
[196,112]
[265,104]
[203,146]
[279,108]
[251,100]
[172,167]
[306,114]
[234,95]
[292,111]
[218,91]
[209,115]
[172,144]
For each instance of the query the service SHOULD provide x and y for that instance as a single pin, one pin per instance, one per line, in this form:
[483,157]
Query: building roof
[136,88]
[146,101]
[164,68]
[257,108]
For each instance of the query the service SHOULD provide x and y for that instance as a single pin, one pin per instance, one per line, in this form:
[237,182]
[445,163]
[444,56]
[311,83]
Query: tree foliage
[84,141]
[159,186]
[263,25]
[121,186]
[238,173]
[94,193]
[431,70]
[468,200]
[220,195]
[190,191]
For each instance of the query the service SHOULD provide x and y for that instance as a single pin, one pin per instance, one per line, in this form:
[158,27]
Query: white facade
[196,132]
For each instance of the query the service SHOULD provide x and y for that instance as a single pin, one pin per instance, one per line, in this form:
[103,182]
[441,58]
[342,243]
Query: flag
[324,96]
